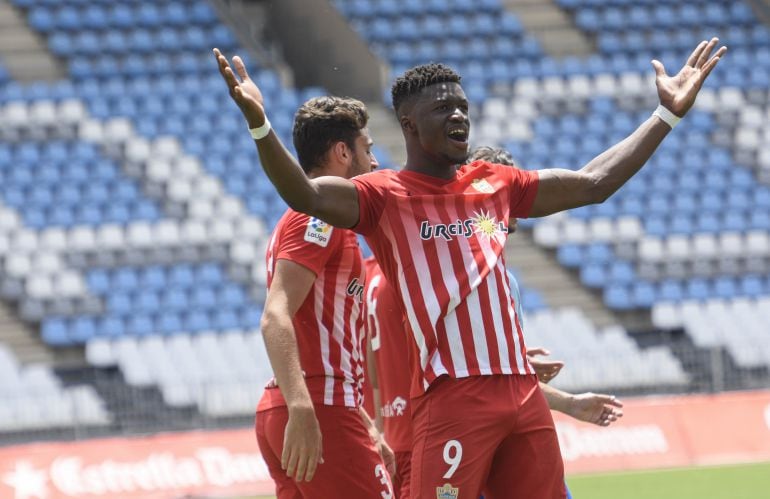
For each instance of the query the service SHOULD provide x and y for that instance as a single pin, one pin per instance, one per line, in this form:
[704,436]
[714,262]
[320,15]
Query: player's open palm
[595,408]
[677,93]
[302,445]
[244,92]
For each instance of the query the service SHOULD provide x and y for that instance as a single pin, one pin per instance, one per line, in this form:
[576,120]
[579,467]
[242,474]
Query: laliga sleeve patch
[318,232]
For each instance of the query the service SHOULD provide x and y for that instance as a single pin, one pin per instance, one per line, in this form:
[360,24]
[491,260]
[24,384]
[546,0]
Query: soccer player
[437,228]
[311,430]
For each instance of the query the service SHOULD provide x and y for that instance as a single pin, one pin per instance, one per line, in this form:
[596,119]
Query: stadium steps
[386,132]
[538,269]
[21,338]
[552,27]
[23,51]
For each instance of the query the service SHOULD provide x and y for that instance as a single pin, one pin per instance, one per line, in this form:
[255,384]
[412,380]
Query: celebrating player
[314,436]
[437,228]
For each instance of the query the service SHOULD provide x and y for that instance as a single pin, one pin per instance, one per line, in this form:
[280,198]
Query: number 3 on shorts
[453,454]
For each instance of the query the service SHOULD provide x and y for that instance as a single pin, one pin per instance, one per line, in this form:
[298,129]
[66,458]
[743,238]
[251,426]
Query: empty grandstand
[134,212]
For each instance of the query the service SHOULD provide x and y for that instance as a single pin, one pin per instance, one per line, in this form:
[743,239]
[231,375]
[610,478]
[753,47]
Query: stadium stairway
[23,51]
[560,288]
[552,26]
[20,338]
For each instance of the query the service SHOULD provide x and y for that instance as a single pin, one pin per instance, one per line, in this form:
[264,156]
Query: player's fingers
[302,465]
[706,70]
[291,466]
[608,399]
[660,71]
[240,67]
[696,53]
[312,465]
[229,77]
[706,52]
[537,351]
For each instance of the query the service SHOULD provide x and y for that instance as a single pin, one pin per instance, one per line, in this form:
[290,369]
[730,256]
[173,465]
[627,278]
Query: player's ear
[341,152]
[407,125]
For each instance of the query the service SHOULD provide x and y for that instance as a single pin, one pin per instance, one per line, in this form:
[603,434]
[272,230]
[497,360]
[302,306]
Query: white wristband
[261,131]
[670,118]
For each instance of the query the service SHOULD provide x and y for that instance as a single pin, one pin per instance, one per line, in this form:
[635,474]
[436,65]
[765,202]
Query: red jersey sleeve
[307,241]
[372,194]
[523,190]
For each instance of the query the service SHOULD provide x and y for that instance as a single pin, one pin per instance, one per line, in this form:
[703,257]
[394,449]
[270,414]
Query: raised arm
[332,199]
[302,438]
[560,189]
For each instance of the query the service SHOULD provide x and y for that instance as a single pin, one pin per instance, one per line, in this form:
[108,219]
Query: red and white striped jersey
[440,243]
[387,333]
[329,324]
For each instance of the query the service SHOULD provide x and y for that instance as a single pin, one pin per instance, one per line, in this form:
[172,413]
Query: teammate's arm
[382,446]
[546,370]
[302,438]
[332,199]
[560,189]
[375,382]
[594,408]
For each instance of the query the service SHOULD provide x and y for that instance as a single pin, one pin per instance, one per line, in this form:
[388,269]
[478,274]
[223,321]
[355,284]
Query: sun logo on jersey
[486,225]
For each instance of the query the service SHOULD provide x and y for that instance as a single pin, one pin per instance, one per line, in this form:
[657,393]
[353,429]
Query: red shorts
[401,479]
[352,467]
[490,434]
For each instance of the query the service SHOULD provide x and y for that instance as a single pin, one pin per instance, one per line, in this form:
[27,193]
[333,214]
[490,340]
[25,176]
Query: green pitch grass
[750,481]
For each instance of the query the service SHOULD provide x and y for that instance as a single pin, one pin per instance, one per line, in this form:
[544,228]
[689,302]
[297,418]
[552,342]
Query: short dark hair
[414,80]
[492,155]
[323,121]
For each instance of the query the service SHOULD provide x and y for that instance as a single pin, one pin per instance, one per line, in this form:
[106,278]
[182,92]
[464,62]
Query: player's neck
[427,165]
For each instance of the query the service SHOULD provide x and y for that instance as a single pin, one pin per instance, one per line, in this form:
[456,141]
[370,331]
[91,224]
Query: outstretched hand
[546,370]
[245,92]
[677,93]
[594,408]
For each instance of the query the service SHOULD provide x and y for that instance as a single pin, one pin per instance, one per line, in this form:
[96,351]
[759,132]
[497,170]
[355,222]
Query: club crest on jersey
[318,232]
[481,224]
[481,185]
[447,492]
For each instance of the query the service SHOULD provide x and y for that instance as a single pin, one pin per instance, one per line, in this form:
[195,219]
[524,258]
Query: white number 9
[453,454]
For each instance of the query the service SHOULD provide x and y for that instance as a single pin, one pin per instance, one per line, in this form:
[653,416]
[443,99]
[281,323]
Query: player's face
[363,160]
[442,122]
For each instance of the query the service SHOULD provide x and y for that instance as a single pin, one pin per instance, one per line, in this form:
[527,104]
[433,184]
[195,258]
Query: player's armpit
[336,201]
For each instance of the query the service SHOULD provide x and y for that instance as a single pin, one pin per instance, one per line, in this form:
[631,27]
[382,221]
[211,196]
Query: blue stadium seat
[617,297]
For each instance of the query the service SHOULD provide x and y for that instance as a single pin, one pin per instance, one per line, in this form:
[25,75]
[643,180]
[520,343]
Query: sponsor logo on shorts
[395,408]
[447,492]
[318,232]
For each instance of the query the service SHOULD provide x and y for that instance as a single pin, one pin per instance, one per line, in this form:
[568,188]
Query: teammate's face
[362,158]
[440,115]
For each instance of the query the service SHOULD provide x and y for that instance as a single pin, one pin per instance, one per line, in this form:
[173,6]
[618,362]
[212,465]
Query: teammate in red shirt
[437,228]
[390,371]
[313,329]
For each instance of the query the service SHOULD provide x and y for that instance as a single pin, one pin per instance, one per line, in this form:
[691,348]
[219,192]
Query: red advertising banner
[217,463]
[660,432]
[655,432]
